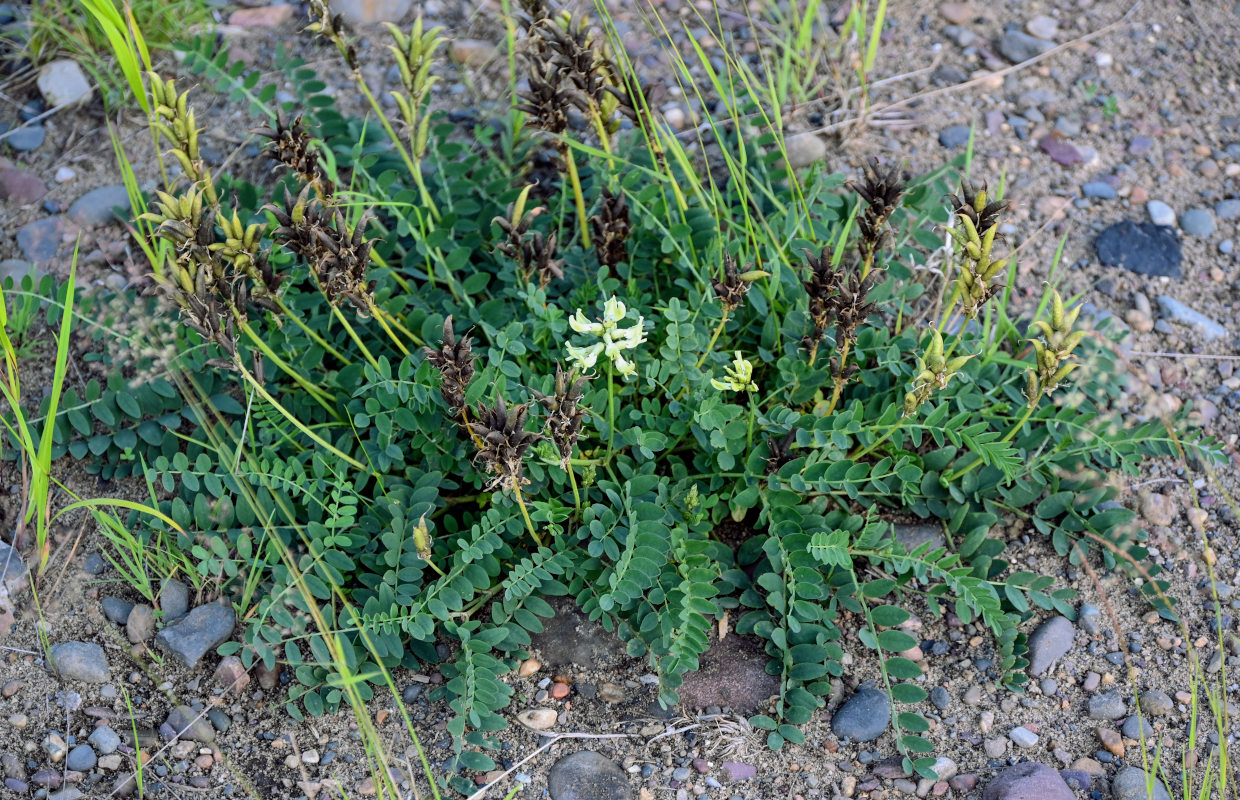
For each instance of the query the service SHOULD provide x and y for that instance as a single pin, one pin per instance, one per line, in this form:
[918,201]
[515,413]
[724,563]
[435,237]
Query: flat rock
[62,82]
[731,673]
[539,719]
[1130,783]
[1156,703]
[1141,247]
[863,717]
[1049,643]
[370,12]
[202,630]
[586,775]
[1017,46]
[264,16]
[187,724]
[80,661]
[914,535]
[98,206]
[955,136]
[21,188]
[140,624]
[40,240]
[1061,151]
[957,13]
[472,52]
[1108,705]
[1197,222]
[1028,781]
[1160,213]
[1208,328]
[81,758]
[1089,617]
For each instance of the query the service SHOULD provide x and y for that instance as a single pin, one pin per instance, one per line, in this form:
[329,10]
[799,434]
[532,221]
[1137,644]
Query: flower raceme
[738,377]
[614,339]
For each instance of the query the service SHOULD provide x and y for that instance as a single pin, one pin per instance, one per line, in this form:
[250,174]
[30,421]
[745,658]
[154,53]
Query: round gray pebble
[1197,222]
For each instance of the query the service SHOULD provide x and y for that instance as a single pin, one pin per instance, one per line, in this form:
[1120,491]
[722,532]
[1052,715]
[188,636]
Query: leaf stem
[578,197]
[710,346]
[1029,409]
[529,523]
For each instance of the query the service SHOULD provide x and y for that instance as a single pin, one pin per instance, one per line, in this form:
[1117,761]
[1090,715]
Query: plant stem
[578,197]
[839,378]
[379,315]
[315,337]
[870,448]
[314,437]
[572,480]
[710,346]
[529,523]
[318,394]
[1029,409]
[611,412]
[370,359]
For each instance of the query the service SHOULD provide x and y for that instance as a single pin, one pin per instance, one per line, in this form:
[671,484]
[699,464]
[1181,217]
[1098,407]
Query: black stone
[1141,247]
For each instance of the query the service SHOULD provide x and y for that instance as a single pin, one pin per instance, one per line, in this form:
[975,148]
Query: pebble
[1028,780]
[203,629]
[1141,247]
[371,12]
[955,136]
[64,174]
[1100,190]
[1017,46]
[231,674]
[96,206]
[1042,27]
[1130,783]
[586,775]
[81,758]
[104,740]
[472,52]
[1227,209]
[21,188]
[1111,741]
[540,719]
[737,771]
[1108,705]
[944,768]
[1023,737]
[1160,213]
[864,717]
[1197,222]
[1208,328]
[140,624]
[1049,643]
[1137,729]
[263,17]
[957,13]
[1092,681]
[973,696]
[27,138]
[62,82]
[173,599]
[1061,151]
[187,724]
[805,149]
[940,697]
[80,661]
[1090,619]
[1226,247]
[1155,703]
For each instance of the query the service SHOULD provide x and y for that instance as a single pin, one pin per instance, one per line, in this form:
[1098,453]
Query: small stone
[116,609]
[1137,729]
[736,771]
[957,13]
[1141,247]
[1028,781]
[231,674]
[63,83]
[1108,705]
[944,768]
[80,661]
[973,696]
[371,12]
[18,721]
[963,783]
[20,188]
[611,693]
[1155,703]
[1061,151]
[187,724]
[1042,27]
[27,138]
[203,629]
[64,174]
[473,52]
[1023,737]
[1017,46]
[310,757]
[1208,328]
[96,207]
[1140,145]
[140,624]
[1111,742]
[940,697]
[1227,209]
[804,150]
[1226,247]
[864,717]
[1157,509]
[955,136]
[173,599]
[1050,642]
[1092,681]
[55,747]
[1197,222]
[529,667]
[219,720]
[1100,190]
[11,688]
[1090,619]
[1160,213]
[104,740]
[262,17]
[586,775]
[540,719]
[1132,783]
[81,758]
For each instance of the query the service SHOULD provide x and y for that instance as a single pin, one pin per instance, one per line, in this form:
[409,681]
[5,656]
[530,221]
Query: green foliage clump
[459,388]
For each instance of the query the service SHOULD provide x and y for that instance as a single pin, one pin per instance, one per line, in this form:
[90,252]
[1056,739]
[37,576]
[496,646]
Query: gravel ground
[1128,119]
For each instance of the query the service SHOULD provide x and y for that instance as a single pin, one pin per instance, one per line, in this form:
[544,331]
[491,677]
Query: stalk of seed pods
[1053,351]
[454,359]
[934,371]
[502,443]
[415,52]
[880,190]
[611,230]
[333,28]
[290,146]
[564,414]
[174,122]
[534,253]
[979,225]
[338,257]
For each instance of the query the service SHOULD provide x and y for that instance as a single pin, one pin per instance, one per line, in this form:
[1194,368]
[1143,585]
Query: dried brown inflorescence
[564,414]
[880,190]
[455,361]
[533,252]
[500,435]
[984,215]
[549,99]
[611,230]
[290,145]
[319,234]
[333,28]
[731,290]
[779,451]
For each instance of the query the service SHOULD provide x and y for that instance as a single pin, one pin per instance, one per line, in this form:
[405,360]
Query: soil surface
[1127,111]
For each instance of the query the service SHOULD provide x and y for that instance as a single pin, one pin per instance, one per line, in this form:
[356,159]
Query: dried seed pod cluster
[880,190]
[290,146]
[979,225]
[734,285]
[837,298]
[319,234]
[455,361]
[1053,351]
[333,28]
[611,229]
[564,413]
[500,435]
[534,253]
